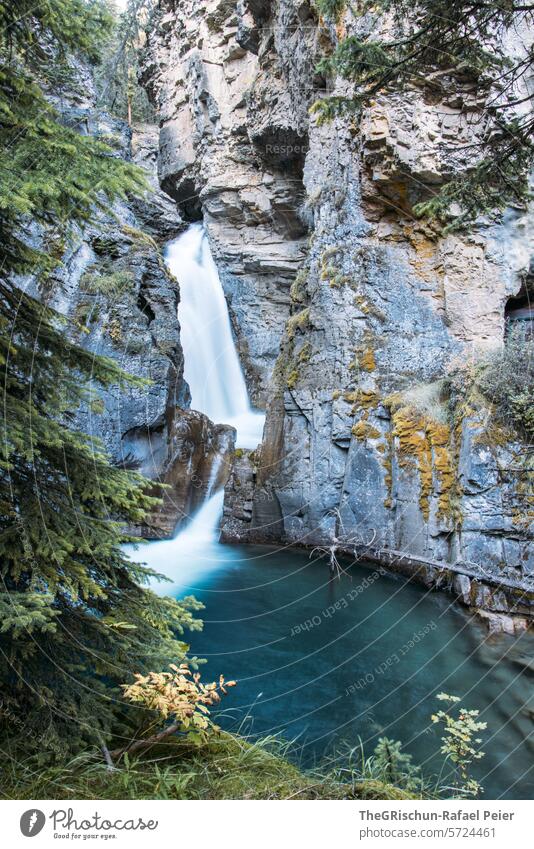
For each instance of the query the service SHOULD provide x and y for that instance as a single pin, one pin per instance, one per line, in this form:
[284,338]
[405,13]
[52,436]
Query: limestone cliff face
[350,314]
[120,302]
[232,147]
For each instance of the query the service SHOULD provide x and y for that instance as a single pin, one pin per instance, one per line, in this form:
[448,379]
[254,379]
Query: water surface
[326,661]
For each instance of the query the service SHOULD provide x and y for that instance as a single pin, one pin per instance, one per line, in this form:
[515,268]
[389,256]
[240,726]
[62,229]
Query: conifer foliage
[74,616]
[117,77]
[437,40]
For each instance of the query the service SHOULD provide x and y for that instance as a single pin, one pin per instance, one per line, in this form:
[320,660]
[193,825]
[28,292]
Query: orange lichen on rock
[439,436]
[366,360]
[363,430]
[364,399]
[426,442]
[367,398]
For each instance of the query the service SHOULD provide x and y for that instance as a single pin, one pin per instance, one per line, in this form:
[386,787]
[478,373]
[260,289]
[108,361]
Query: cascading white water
[193,552]
[211,364]
[218,389]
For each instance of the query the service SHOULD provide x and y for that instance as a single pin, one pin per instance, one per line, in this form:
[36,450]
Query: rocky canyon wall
[120,302]
[351,315]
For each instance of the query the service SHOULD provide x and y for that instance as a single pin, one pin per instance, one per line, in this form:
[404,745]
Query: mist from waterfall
[211,363]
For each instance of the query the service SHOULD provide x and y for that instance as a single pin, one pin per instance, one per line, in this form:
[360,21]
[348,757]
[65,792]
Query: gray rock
[351,355]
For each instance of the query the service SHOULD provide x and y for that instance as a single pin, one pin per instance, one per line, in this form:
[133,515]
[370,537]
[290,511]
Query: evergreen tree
[75,618]
[119,89]
[462,39]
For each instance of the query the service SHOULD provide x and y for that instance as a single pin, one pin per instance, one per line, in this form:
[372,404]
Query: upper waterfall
[212,368]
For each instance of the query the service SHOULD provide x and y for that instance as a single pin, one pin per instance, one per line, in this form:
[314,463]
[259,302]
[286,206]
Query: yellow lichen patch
[362,304]
[439,435]
[410,430]
[425,247]
[297,292]
[366,398]
[298,321]
[366,360]
[292,378]
[363,430]
[331,273]
[428,443]
[424,259]
[113,329]
[293,367]
[365,306]
[494,434]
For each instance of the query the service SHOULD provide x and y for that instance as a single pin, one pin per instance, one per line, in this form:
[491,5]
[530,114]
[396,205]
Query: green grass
[111,284]
[227,767]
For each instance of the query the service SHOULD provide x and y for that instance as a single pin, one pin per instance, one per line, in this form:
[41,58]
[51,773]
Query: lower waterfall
[190,555]
[308,651]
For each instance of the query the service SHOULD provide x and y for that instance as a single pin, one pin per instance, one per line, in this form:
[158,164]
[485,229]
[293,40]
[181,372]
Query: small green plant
[388,766]
[111,284]
[460,745]
[330,8]
[507,381]
[298,287]
[140,241]
[97,406]
[396,766]
[85,314]
[135,345]
[298,322]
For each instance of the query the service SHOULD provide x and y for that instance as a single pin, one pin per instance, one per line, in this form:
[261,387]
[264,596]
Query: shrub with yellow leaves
[178,695]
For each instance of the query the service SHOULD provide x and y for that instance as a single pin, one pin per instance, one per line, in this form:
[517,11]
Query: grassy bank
[227,767]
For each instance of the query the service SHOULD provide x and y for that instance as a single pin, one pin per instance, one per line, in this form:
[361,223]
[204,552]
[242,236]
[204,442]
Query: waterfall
[213,372]
[211,364]
[218,389]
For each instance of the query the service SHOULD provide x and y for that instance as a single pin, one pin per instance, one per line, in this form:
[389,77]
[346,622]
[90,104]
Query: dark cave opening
[519,313]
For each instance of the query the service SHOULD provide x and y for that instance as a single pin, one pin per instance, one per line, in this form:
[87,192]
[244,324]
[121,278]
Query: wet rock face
[121,302]
[157,211]
[367,313]
[191,456]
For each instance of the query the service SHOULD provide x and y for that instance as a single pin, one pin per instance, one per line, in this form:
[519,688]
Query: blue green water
[327,661]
